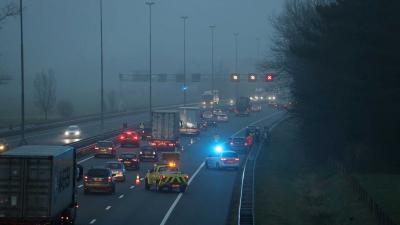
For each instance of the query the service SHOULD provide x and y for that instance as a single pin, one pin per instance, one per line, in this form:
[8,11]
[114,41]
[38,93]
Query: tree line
[343,58]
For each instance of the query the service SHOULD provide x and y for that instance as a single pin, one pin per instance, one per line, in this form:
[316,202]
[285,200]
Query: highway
[206,200]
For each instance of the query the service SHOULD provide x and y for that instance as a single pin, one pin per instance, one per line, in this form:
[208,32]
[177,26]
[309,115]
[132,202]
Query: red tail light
[152,144]
[122,137]
[119,160]
[135,137]
[85,178]
[128,133]
[109,179]
[171,144]
[96,148]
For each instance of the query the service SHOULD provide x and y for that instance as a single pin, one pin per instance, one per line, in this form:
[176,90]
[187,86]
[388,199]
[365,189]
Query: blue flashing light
[218,148]
[184,88]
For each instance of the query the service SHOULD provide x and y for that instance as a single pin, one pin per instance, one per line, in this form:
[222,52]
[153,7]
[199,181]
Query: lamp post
[101,68]
[150,3]
[23,140]
[184,18]
[212,28]
[236,35]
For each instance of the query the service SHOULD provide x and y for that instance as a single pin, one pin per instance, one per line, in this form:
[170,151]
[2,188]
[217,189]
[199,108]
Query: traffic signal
[269,77]
[252,77]
[235,77]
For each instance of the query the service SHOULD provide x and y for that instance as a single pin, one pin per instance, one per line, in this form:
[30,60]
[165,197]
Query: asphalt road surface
[206,200]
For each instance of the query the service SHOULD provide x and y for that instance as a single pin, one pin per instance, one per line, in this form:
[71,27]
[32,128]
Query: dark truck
[38,185]
[242,107]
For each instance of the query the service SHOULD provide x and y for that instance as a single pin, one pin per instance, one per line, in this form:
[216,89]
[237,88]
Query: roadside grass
[290,189]
[385,190]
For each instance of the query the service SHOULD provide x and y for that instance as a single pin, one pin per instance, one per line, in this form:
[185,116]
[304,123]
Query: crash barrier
[376,210]
[83,119]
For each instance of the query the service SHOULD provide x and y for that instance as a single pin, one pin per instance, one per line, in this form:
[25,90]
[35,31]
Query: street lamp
[150,3]
[101,68]
[23,140]
[236,35]
[184,18]
[212,28]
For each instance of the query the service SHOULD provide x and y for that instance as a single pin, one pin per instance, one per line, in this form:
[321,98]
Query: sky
[65,36]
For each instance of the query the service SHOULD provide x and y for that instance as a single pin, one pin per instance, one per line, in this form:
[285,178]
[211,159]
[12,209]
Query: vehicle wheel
[182,189]
[146,184]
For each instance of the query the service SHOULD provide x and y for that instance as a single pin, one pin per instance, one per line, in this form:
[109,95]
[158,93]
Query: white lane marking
[180,195]
[121,196]
[84,160]
[172,207]
[132,187]
[92,221]
[80,186]
[108,207]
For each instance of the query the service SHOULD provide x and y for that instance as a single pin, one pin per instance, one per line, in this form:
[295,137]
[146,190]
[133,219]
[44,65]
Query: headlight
[262,98]
[203,103]
[273,98]
[77,133]
[2,147]
[66,133]
[269,98]
[256,97]
[251,98]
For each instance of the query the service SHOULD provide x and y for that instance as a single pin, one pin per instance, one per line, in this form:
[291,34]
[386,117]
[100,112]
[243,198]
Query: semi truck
[38,185]
[189,120]
[209,99]
[165,130]
[242,106]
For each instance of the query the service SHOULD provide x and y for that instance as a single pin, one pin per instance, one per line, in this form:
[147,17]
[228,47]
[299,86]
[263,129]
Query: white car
[218,112]
[72,131]
[207,115]
[222,160]
[222,118]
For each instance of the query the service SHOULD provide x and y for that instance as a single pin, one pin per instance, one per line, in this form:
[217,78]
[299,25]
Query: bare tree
[45,91]
[11,9]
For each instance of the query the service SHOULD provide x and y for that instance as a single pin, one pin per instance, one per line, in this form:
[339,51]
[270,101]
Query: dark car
[148,153]
[107,148]
[238,144]
[145,133]
[99,179]
[130,160]
[130,138]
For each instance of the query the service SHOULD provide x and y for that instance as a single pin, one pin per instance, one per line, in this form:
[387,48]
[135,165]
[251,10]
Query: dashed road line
[108,207]
[121,196]
[132,187]
[80,186]
[92,221]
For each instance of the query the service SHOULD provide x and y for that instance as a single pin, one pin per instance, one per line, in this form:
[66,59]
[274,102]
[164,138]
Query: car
[166,176]
[145,133]
[207,115]
[222,118]
[130,160]
[117,170]
[98,179]
[130,138]
[148,153]
[238,144]
[72,131]
[221,160]
[217,112]
[107,148]
[3,145]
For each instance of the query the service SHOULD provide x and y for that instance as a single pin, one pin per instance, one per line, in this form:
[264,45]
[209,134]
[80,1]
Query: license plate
[97,179]
[127,162]
[175,185]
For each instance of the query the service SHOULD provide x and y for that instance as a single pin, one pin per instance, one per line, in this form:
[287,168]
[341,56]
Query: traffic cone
[137,179]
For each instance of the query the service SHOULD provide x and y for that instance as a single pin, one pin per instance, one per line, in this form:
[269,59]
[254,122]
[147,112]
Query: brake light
[186,177]
[96,148]
[135,137]
[223,159]
[122,137]
[109,179]
[171,144]
[237,159]
[152,144]
[119,160]
[128,133]
[85,178]
[110,148]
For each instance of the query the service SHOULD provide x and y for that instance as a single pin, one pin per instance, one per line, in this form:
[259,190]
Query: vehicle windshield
[104,144]
[73,128]
[131,155]
[230,155]
[238,139]
[114,165]
[98,172]
[168,169]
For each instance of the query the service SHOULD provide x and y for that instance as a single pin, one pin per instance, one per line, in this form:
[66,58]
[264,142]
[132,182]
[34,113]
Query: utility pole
[23,140]
[150,3]
[184,60]
[236,35]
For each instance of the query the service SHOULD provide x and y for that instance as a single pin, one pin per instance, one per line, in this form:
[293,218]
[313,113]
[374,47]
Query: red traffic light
[269,77]
[252,77]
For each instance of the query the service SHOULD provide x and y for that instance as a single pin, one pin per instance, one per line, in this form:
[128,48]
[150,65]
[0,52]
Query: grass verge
[290,189]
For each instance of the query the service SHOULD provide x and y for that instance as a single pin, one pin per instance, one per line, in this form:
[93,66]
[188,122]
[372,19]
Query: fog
[65,36]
